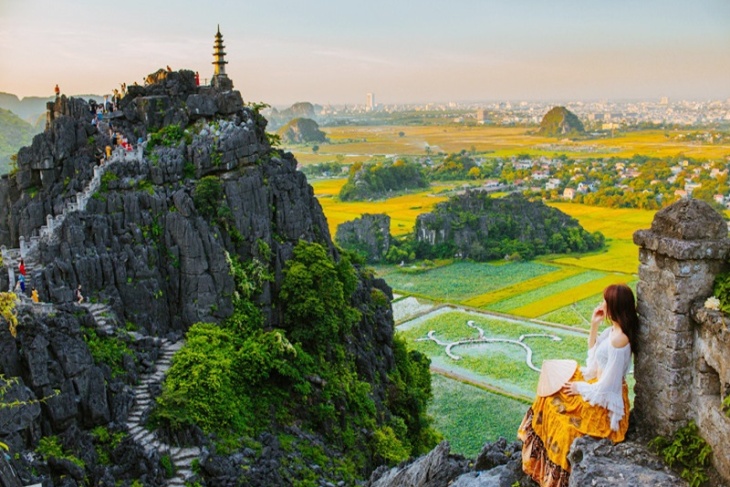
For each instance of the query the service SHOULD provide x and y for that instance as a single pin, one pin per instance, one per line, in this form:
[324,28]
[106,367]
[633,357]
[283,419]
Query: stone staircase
[106,323]
[181,458]
[48,232]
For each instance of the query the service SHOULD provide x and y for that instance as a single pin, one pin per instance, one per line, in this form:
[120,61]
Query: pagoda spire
[219,61]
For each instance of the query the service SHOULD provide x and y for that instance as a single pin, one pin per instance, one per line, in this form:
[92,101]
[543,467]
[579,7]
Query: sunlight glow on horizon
[331,52]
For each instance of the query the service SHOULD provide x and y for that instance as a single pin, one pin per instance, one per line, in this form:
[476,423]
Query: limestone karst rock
[301,131]
[560,121]
[148,235]
[368,235]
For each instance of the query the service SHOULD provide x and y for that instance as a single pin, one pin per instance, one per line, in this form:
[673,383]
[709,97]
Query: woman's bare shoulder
[619,339]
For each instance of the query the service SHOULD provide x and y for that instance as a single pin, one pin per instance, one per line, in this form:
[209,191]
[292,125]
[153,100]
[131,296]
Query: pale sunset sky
[404,51]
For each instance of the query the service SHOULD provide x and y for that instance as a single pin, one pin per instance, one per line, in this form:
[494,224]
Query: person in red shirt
[21,267]
[57,90]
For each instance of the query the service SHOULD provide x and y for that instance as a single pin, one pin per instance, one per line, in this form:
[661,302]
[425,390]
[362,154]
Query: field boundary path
[441,308]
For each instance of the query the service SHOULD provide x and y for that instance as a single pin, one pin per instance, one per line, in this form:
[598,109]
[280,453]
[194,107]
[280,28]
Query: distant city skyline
[336,52]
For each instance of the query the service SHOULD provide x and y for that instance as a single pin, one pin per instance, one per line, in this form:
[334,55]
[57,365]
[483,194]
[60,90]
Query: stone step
[143,437]
[186,454]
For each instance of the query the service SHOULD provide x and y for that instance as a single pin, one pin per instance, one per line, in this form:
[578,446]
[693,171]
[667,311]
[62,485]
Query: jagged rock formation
[50,360]
[368,235]
[476,226]
[601,463]
[499,464]
[301,131]
[559,122]
[148,235]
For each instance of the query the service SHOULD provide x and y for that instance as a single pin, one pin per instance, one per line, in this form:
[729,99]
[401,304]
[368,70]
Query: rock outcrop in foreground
[499,464]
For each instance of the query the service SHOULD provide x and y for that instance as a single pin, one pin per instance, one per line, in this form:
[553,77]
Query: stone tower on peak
[220,79]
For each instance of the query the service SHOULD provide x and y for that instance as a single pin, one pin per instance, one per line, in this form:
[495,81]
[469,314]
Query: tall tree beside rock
[560,122]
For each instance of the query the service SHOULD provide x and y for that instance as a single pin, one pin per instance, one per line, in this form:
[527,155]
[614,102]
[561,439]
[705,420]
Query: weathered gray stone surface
[369,234]
[436,469]
[8,477]
[601,463]
[683,367]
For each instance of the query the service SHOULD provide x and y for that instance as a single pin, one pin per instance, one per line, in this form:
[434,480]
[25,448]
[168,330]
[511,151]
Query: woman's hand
[599,314]
[570,388]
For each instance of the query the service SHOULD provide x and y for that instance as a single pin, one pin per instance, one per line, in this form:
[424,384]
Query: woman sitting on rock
[594,402]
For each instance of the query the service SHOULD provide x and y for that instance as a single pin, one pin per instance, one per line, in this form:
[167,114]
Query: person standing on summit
[57,90]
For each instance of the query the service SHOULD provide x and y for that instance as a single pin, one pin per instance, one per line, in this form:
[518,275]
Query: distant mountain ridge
[29,108]
[14,134]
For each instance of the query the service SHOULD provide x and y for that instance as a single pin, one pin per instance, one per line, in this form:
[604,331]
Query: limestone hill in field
[301,131]
[559,122]
[379,179]
[475,226]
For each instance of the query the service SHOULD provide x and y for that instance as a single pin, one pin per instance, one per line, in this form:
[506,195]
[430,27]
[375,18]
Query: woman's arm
[606,391]
[599,314]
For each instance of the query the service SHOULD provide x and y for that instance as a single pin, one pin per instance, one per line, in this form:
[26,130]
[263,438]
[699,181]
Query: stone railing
[48,233]
[682,368]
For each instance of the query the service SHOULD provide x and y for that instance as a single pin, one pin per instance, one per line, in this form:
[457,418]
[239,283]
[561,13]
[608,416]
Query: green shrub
[167,466]
[107,178]
[207,195]
[721,290]
[686,451]
[167,136]
[50,447]
[105,442]
[107,350]
[387,446]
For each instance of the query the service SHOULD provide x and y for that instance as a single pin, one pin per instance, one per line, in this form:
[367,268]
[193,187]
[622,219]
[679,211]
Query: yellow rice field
[614,223]
[361,142]
[567,297]
[619,256]
[402,210]
[522,287]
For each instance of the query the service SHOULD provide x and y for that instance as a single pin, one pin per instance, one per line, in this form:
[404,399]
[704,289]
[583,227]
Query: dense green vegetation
[478,227]
[378,178]
[239,378]
[14,134]
[468,416]
[687,452]
[461,280]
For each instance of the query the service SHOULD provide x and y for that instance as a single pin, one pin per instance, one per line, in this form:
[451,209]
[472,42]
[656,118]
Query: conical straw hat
[554,375]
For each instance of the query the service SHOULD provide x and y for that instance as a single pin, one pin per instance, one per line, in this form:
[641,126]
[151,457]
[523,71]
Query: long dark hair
[621,308]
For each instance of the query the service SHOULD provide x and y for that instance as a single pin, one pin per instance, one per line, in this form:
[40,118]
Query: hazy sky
[335,51]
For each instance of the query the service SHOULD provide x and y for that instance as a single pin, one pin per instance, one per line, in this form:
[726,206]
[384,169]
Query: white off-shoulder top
[610,365]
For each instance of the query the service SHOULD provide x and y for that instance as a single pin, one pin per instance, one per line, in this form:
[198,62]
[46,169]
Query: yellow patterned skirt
[551,425]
